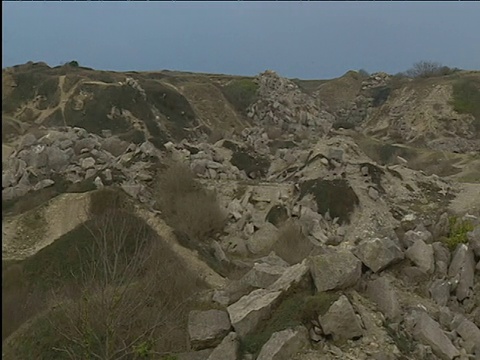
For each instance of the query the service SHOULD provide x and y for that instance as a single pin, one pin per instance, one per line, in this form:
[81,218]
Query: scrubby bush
[292,245]
[186,205]
[426,69]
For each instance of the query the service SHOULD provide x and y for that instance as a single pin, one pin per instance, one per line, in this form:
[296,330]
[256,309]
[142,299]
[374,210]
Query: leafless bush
[129,295]
[425,69]
[186,205]
[292,245]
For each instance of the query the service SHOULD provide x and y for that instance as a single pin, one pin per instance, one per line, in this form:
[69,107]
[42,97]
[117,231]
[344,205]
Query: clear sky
[308,40]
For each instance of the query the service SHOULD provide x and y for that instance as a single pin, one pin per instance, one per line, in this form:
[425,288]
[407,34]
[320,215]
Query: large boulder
[429,332]
[207,328]
[247,312]
[263,239]
[229,349]
[382,293]
[336,270]
[377,253]
[340,321]
[283,345]
[470,333]
[422,256]
[462,270]
[292,276]
[263,275]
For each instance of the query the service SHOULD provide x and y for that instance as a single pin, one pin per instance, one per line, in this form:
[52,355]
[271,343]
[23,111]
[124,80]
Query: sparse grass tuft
[458,232]
[187,206]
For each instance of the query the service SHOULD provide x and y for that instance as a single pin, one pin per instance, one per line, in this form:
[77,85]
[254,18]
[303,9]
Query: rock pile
[74,155]
[282,104]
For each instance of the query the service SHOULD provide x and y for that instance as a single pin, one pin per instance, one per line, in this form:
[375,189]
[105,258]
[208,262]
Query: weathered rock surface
[340,321]
[207,328]
[263,239]
[428,331]
[229,349]
[336,270]
[283,345]
[382,293]
[247,312]
[377,253]
[462,270]
[422,256]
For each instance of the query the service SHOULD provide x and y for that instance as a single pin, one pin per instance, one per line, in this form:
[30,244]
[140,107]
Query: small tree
[425,69]
[117,307]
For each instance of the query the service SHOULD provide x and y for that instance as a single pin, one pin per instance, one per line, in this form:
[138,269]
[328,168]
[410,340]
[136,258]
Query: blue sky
[308,40]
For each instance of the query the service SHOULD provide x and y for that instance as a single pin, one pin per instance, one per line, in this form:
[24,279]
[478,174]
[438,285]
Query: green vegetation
[466,99]
[188,207]
[298,309]
[241,93]
[458,232]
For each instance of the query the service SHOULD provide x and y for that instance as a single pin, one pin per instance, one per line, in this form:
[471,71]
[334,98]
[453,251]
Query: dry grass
[187,206]
[292,245]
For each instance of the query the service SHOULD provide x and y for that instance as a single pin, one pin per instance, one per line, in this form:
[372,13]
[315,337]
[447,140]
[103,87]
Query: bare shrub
[187,206]
[292,245]
[425,69]
[129,297]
